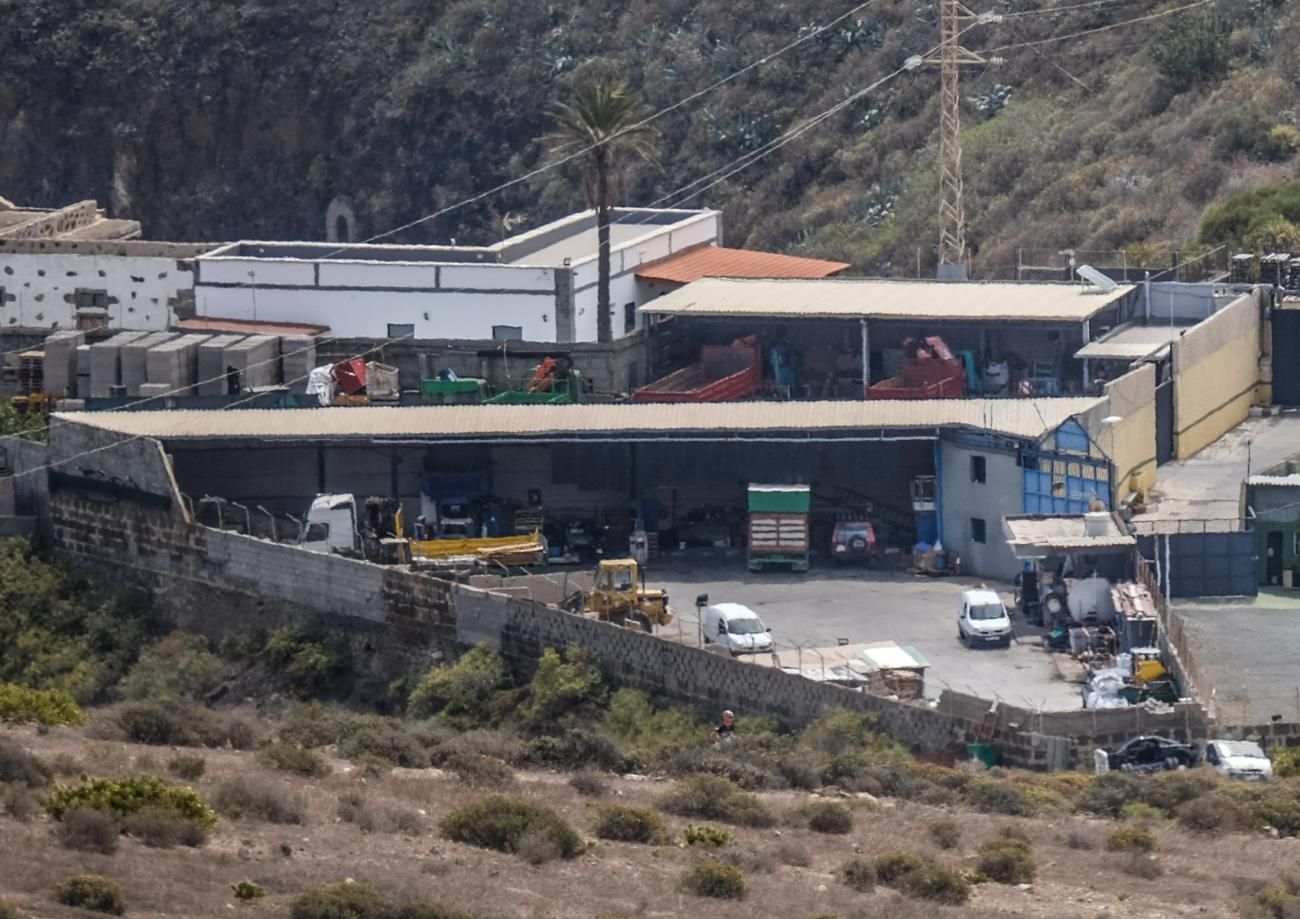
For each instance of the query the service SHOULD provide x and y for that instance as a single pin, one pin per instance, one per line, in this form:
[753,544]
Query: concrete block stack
[61,362]
[257,359]
[212,364]
[83,371]
[135,360]
[299,352]
[174,363]
[106,363]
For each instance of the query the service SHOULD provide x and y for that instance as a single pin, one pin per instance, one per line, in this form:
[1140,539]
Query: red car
[853,541]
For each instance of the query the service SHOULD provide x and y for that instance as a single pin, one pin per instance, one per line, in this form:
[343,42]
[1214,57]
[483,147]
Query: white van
[983,619]
[736,628]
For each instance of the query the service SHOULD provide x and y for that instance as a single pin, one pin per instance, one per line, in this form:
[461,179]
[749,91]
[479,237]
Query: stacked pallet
[31,373]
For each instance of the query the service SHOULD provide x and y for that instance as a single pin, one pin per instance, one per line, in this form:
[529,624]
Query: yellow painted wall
[1131,442]
[1216,373]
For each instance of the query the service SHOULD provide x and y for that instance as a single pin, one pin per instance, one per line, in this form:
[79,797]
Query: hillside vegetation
[214,120]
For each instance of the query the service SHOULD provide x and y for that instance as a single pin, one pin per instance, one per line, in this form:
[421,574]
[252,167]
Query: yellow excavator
[620,596]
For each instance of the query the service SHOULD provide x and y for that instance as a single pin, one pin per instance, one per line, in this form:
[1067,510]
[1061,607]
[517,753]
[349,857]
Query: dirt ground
[791,872]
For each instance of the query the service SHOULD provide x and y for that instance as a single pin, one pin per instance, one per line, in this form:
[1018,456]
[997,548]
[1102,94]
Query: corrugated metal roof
[851,298]
[1282,481]
[1132,342]
[250,326]
[1066,531]
[1028,418]
[718,262]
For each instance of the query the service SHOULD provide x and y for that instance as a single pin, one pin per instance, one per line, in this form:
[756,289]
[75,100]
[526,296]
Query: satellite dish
[1095,278]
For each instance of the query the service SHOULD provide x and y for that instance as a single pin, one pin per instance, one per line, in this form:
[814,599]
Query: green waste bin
[986,753]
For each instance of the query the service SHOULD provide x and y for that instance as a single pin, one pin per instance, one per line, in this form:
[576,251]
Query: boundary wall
[1216,374]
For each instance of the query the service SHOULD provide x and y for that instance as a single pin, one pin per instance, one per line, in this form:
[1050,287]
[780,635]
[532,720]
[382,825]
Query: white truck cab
[736,628]
[983,619]
[331,525]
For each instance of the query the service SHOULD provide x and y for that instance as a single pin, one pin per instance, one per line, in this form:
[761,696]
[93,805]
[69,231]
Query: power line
[1106,28]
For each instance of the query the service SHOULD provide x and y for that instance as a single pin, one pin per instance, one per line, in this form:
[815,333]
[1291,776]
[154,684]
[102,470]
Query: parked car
[853,541]
[983,619]
[736,628]
[1239,759]
[1152,754]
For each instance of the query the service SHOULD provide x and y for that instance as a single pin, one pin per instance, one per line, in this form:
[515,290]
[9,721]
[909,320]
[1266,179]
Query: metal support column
[1087,337]
[866,358]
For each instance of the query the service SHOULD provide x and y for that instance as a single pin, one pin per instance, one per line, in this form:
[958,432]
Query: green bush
[1271,805]
[921,879]
[247,890]
[187,767]
[479,771]
[388,741]
[501,823]
[712,797]
[1006,861]
[1108,795]
[23,705]
[1276,901]
[629,824]
[159,828]
[564,686]
[859,874]
[1286,761]
[295,760]
[309,665]
[463,692]
[645,731]
[1140,810]
[1192,50]
[17,765]
[157,724]
[129,795]
[945,833]
[991,796]
[570,745]
[705,836]
[87,830]
[711,878]
[1131,839]
[828,817]
[92,892]
[257,798]
[351,900]
[178,666]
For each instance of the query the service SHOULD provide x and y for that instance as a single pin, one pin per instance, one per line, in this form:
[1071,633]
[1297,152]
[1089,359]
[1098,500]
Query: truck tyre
[642,622]
[1054,604]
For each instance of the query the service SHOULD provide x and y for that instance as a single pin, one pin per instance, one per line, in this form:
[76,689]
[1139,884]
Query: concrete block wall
[106,363]
[135,359]
[256,358]
[60,368]
[212,364]
[175,363]
[299,358]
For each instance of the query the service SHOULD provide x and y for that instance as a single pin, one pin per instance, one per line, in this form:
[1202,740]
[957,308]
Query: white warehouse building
[539,286]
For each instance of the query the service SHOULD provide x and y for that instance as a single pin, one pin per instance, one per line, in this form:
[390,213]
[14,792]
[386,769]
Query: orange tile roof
[717,262]
[249,326]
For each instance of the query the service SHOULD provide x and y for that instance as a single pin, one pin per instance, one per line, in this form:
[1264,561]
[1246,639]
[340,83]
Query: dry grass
[794,874]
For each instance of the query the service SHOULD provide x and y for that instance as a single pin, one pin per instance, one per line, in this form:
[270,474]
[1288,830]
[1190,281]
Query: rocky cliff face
[220,119]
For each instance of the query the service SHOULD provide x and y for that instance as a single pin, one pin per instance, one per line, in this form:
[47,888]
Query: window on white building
[507,333]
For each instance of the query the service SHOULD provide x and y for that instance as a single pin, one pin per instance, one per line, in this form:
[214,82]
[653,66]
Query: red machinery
[722,374]
[930,371]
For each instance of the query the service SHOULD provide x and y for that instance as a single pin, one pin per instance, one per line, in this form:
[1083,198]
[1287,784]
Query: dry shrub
[1214,814]
[1080,840]
[789,852]
[355,808]
[712,797]
[351,900]
[1276,901]
[7,911]
[945,833]
[259,799]
[20,802]
[749,859]
[388,741]
[92,892]
[293,759]
[991,796]
[1131,839]
[1006,861]
[589,784]
[479,771]
[712,878]
[187,767]
[17,765]
[65,764]
[539,846]
[629,824]
[921,879]
[501,823]
[859,874]
[1141,865]
[87,830]
[159,828]
[829,817]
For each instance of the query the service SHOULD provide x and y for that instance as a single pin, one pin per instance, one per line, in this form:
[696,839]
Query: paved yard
[1207,487]
[1246,655]
[823,606]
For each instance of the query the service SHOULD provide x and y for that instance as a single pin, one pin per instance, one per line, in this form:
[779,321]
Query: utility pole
[950,56]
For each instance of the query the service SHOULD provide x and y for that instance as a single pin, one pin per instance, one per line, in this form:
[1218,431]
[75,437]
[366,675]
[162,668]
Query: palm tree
[603,124]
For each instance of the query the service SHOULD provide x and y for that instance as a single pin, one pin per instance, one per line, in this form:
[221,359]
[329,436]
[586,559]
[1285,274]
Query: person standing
[723,732]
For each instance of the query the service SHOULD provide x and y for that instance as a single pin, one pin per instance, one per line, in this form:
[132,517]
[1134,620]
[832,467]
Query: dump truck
[778,526]
[621,597]
[930,371]
[722,374]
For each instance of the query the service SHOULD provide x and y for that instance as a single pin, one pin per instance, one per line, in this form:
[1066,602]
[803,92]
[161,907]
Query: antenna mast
[950,56]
